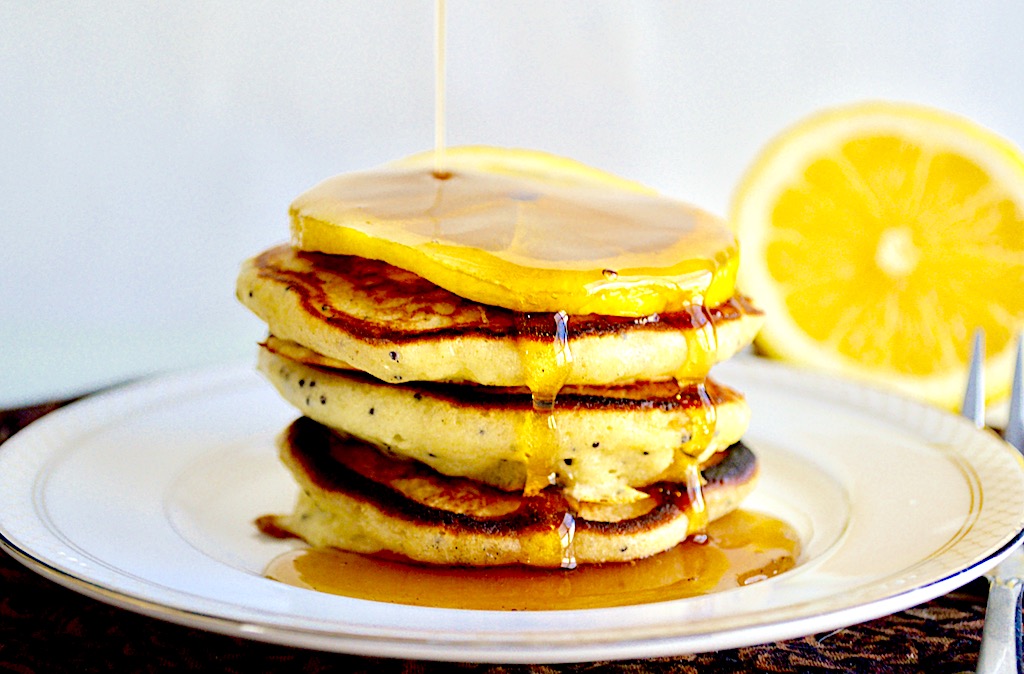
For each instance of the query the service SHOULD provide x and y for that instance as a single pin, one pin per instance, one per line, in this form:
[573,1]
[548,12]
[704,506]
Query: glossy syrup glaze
[507,235]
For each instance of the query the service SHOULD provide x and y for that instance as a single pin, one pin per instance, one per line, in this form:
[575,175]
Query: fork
[1000,638]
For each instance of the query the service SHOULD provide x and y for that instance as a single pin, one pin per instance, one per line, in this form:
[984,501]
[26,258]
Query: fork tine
[1014,433]
[974,396]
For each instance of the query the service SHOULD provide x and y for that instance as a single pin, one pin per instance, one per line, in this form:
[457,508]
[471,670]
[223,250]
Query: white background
[147,148]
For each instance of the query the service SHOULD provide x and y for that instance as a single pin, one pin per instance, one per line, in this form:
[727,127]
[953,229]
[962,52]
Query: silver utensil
[1001,636]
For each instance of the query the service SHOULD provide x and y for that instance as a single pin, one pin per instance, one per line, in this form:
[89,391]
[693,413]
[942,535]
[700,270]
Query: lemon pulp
[526,231]
[878,237]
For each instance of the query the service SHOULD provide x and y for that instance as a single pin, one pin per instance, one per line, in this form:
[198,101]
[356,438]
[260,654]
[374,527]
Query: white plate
[144,497]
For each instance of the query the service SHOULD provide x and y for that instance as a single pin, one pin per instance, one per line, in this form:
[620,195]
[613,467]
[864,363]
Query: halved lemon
[877,237]
[524,230]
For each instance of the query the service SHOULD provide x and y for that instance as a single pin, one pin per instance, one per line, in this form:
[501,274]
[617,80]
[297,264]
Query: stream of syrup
[440,40]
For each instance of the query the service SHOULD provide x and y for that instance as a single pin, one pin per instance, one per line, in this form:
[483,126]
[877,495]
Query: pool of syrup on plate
[742,548]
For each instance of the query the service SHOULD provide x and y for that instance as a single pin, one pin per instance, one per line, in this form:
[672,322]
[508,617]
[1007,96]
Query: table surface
[45,627]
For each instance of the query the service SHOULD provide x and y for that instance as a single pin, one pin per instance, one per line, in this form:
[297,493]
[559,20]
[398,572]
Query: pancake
[503,362]
[610,440]
[355,498]
[399,327]
[524,230]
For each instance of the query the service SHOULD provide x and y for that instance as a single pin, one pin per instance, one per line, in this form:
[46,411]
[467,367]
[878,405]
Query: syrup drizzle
[698,524]
[547,362]
[567,537]
[700,431]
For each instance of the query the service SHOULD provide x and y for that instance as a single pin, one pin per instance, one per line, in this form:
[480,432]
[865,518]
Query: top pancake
[399,327]
[524,230]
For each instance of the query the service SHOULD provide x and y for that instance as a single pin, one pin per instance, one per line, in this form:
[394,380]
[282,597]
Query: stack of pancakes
[463,406]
